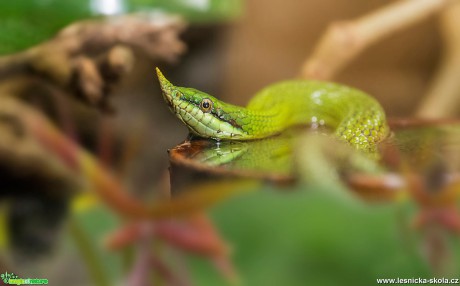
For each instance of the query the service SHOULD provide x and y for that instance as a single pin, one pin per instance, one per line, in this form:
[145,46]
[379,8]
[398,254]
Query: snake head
[203,114]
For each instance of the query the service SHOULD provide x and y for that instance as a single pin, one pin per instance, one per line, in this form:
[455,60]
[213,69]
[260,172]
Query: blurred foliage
[314,238]
[278,238]
[82,242]
[24,23]
[200,11]
[88,229]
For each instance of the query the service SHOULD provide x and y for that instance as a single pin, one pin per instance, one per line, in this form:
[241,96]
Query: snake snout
[165,85]
[168,89]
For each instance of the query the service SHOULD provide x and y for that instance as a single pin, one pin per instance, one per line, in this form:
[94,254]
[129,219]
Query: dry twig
[442,97]
[343,41]
[87,58]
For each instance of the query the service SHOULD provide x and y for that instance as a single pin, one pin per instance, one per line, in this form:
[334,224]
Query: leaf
[24,23]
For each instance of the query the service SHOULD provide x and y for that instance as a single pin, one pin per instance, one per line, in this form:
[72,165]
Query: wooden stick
[442,97]
[343,41]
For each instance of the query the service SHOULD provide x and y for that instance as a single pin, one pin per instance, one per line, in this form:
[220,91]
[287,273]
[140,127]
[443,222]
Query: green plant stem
[88,253]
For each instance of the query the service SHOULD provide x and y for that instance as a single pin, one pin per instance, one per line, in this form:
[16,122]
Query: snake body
[353,115]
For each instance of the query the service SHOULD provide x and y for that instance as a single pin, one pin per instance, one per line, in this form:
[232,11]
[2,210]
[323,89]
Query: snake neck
[257,124]
[264,122]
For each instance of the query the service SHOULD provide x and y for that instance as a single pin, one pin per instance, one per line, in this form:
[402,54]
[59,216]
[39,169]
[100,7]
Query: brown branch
[343,41]
[442,98]
[87,58]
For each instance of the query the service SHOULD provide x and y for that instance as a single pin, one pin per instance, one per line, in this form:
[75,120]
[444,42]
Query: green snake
[353,115]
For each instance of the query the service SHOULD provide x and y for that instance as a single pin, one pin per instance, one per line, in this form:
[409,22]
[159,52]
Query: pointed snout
[165,85]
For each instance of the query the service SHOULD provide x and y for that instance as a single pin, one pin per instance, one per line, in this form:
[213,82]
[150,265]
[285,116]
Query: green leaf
[24,23]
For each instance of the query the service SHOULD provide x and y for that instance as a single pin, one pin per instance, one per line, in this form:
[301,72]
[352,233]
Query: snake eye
[206,105]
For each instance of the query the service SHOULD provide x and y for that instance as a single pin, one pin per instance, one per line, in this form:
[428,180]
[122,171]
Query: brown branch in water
[87,58]
[344,41]
[442,97]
